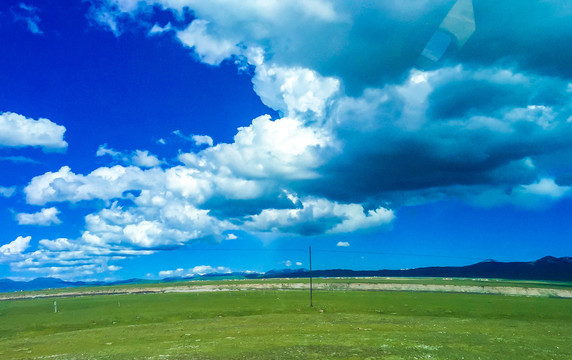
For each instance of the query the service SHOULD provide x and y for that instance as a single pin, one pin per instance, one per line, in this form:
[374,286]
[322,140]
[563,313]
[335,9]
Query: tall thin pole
[310,250]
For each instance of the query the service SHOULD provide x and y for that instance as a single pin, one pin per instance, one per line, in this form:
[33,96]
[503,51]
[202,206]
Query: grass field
[281,325]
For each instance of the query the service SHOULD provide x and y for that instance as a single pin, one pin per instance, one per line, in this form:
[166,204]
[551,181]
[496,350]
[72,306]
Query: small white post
[55,306]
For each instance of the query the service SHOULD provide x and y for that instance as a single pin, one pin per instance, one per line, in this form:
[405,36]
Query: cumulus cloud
[60,244]
[114,268]
[546,187]
[65,258]
[19,131]
[294,91]
[103,183]
[172,207]
[198,140]
[144,159]
[45,217]
[103,150]
[343,244]
[207,269]
[172,273]
[318,216]
[210,49]
[282,148]
[537,195]
[417,140]
[197,270]
[203,140]
[140,158]
[156,223]
[16,247]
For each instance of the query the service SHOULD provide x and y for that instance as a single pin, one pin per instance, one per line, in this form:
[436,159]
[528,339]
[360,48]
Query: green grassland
[277,324]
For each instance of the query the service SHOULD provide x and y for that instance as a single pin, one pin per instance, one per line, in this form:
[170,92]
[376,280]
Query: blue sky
[166,138]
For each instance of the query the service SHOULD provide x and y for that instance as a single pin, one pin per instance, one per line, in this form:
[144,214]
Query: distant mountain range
[547,268]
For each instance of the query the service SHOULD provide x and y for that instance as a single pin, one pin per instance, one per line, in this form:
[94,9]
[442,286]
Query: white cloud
[144,159]
[319,216]
[140,158]
[103,183]
[69,259]
[207,269]
[273,10]
[215,44]
[7,191]
[156,29]
[343,244]
[538,195]
[172,273]
[28,15]
[44,217]
[103,150]
[210,49]
[270,10]
[355,218]
[182,136]
[287,263]
[231,237]
[546,187]
[197,270]
[198,140]
[16,247]
[166,211]
[203,140]
[144,234]
[225,29]
[282,148]
[154,223]
[294,90]
[61,244]
[18,131]
[106,16]
[188,183]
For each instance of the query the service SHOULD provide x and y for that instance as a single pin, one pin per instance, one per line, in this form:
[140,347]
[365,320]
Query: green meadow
[280,324]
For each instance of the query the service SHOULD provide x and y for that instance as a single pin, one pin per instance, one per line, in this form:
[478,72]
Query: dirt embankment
[471,289]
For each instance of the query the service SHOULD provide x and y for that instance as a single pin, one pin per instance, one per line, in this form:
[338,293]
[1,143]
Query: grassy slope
[281,325]
[376,280]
